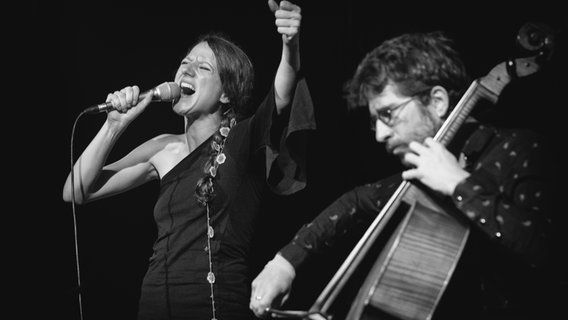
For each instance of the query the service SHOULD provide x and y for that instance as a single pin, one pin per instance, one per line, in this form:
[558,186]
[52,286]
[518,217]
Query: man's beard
[428,128]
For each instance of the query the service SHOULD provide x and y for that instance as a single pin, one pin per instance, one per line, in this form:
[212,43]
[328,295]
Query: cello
[412,270]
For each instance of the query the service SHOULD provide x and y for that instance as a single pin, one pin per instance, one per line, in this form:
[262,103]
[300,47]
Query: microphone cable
[75,238]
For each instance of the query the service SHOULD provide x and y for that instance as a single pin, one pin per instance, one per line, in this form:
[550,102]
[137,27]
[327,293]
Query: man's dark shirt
[503,270]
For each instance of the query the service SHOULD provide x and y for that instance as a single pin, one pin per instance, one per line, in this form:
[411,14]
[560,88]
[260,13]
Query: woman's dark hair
[414,62]
[235,69]
[237,78]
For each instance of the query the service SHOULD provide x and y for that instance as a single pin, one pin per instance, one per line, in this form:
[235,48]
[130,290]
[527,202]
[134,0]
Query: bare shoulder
[169,150]
[167,138]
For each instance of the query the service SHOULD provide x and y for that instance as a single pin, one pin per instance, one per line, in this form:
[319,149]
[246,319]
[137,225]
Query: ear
[224,99]
[440,101]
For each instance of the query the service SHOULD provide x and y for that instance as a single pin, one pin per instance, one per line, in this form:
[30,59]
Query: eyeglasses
[387,115]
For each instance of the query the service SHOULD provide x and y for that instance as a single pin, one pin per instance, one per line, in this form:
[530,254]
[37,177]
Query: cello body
[410,275]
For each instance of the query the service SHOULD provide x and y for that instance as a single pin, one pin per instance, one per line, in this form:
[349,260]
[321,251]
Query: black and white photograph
[234,160]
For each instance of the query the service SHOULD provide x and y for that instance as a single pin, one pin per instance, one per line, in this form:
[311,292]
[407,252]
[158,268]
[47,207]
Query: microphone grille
[168,91]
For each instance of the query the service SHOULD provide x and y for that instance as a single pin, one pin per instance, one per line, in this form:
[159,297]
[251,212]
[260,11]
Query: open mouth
[187,89]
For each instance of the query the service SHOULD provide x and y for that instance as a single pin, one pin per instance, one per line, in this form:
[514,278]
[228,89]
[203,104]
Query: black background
[82,51]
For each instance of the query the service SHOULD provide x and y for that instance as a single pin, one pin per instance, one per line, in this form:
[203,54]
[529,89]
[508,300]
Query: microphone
[166,91]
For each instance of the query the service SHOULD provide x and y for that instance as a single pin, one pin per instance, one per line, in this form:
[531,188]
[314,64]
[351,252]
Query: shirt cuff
[295,254]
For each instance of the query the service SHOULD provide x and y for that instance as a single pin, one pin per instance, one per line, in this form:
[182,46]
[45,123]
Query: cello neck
[488,87]
[462,110]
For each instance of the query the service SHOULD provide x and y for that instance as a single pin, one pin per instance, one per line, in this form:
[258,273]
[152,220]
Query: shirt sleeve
[505,196]
[359,205]
[285,139]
